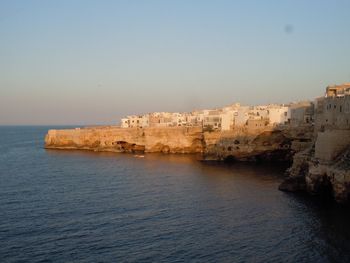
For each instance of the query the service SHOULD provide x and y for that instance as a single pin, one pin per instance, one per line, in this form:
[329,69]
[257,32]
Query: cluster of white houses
[331,109]
[227,118]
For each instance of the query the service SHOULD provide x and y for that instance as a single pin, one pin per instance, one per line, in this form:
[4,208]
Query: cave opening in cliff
[230,159]
[325,190]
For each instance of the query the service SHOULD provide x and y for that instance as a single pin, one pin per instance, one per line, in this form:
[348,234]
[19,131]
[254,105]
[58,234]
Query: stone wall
[331,143]
[333,113]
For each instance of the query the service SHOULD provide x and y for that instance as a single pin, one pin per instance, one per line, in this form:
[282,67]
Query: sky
[87,62]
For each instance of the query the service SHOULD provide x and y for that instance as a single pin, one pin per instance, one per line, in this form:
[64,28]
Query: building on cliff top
[333,110]
[338,90]
[228,118]
[302,113]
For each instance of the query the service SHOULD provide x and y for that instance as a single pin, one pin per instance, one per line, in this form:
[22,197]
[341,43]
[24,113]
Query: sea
[81,206]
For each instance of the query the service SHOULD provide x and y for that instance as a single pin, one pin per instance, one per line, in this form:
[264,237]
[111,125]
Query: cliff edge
[133,140]
[324,168]
[240,144]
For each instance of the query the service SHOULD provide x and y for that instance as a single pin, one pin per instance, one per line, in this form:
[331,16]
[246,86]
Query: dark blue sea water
[59,206]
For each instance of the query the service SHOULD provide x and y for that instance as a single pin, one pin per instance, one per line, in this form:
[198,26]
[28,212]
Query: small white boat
[139,156]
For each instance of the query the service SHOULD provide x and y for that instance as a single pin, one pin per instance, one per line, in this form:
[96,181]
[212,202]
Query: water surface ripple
[104,207]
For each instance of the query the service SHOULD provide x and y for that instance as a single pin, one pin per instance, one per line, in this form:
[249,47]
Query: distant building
[257,124]
[333,112]
[237,116]
[277,114]
[212,122]
[301,113]
[241,116]
[135,121]
[338,90]
[227,120]
[125,123]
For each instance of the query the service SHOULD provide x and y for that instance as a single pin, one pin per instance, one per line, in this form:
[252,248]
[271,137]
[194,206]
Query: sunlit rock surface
[271,144]
[325,167]
[240,144]
[320,161]
[115,139]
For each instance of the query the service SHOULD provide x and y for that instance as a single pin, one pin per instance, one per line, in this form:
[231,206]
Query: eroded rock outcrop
[272,144]
[316,140]
[320,167]
[115,139]
[238,144]
[324,167]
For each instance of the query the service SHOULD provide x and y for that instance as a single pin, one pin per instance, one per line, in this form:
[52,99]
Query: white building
[227,120]
[124,123]
[145,121]
[223,119]
[241,116]
[278,114]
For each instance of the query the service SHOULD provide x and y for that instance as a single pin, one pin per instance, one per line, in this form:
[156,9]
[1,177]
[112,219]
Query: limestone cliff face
[269,144]
[320,166]
[115,139]
[239,144]
[324,168]
[339,176]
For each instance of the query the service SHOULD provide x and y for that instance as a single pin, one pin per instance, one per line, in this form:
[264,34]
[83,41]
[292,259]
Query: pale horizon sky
[91,62]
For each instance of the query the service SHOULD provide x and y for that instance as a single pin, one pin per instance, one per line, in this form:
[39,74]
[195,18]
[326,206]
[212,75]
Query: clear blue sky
[91,62]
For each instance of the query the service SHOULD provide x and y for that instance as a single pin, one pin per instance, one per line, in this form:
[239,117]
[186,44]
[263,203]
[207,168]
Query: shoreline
[293,145]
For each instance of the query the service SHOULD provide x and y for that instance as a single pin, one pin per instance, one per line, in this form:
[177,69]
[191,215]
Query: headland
[313,136]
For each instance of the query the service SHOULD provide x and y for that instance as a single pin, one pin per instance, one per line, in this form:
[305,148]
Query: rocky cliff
[271,144]
[321,161]
[324,168]
[115,139]
[239,144]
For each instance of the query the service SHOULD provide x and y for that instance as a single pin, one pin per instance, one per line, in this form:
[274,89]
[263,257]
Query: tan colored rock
[167,139]
[243,144]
